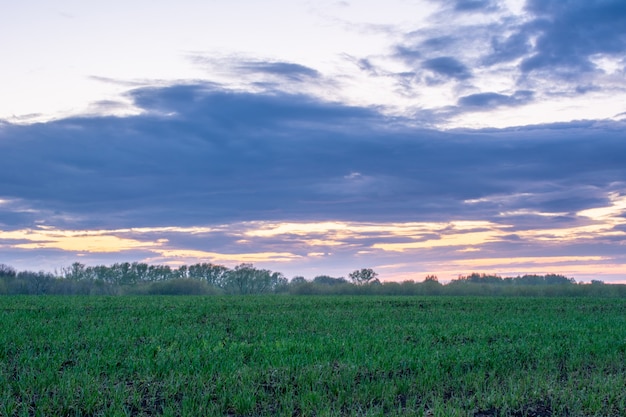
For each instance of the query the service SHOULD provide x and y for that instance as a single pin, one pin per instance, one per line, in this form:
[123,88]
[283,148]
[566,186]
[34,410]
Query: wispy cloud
[291,71]
[255,74]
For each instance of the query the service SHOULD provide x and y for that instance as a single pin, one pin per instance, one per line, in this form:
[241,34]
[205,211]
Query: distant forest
[209,279]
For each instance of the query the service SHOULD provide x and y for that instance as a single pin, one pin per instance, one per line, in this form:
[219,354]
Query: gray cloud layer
[203,155]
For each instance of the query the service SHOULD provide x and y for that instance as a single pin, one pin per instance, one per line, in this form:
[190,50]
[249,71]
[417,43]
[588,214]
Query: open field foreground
[312,356]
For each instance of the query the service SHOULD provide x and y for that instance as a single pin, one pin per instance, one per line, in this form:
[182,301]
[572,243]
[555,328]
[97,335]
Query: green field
[312,356]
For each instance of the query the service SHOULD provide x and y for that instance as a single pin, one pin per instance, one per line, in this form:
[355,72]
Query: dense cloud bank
[199,154]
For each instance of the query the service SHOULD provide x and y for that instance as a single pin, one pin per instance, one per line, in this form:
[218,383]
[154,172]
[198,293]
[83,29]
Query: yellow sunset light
[610,213]
[228,257]
[301,229]
[87,243]
[488,262]
[475,238]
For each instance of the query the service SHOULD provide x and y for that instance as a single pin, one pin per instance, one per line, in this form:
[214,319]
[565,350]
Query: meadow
[280,355]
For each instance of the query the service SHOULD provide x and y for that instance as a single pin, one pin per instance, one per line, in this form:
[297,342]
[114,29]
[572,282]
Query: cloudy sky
[414,137]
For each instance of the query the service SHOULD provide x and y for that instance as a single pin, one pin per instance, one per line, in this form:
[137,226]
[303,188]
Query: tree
[37,282]
[298,280]
[210,273]
[328,280]
[431,279]
[558,279]
[159,273]
[141,270]
[7,271]
[363,276]
[76,272]
[182,272]
[239,280]
[124,273]
[246,279]
[279,282]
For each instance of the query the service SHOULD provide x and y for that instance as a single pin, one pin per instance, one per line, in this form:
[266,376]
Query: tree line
[141,278]
[138,278]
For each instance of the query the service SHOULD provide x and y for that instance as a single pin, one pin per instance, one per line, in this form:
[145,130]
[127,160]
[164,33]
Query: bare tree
[363,276]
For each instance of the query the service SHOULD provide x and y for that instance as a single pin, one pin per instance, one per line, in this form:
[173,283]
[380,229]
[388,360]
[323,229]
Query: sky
[414,137]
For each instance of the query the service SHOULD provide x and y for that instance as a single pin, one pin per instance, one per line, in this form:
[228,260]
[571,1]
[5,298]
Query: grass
[305,356]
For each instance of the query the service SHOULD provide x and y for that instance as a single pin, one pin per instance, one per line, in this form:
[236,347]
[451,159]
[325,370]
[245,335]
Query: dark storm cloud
[202,155]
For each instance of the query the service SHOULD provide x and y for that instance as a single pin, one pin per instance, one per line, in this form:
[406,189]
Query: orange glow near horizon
[460,239]
[547,260]
[611,214]
[226,258]
[75,241]
[458,246]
